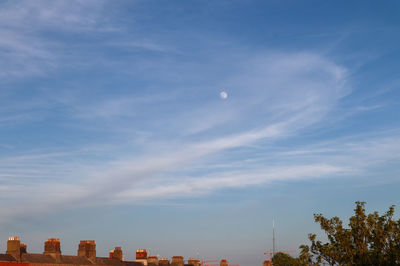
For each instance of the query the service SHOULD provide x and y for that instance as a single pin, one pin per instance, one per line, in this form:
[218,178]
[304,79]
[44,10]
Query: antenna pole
[273,236]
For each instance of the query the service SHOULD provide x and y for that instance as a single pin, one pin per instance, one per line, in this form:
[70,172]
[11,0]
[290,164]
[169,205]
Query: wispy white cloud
[26,46]
[184,187]
[39,15]
[338,158]
[155,177]
[283,95]
[273,96]
[24,55]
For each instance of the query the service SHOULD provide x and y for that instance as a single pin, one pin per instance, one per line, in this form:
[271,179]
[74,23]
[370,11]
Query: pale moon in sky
[223,95]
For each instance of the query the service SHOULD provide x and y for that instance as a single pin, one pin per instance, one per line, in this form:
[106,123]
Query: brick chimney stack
[194,261]
[141,254]
[52,247]
[152,260]
[87,248]
[177,261]
[14,247]
[163,262]
[22,248]
[116,254]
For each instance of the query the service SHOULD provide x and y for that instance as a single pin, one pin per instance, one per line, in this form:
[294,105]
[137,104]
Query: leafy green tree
[369,240]
[282,259]
[305,258]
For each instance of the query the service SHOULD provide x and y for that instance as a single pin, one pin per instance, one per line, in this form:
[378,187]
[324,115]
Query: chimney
[194,261]
[223,263]
[14,247]
[141,254]
[22,248]
[87,248]
[116,253]
[52,247]
[152,260]
[177,261]
[163,262]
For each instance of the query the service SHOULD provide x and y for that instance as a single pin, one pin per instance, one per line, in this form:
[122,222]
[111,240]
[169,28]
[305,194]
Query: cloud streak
[131,139]
[284,95]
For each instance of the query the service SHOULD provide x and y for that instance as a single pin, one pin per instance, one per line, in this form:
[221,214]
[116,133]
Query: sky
[187,127]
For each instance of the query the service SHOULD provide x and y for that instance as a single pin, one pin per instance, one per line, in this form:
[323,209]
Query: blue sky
[113,128]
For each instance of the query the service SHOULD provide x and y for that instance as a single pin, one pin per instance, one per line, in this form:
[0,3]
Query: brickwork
[14,247]
[116,253]
[153,260]
[177,261]
[141,254]
[52,247]
[87,248]
[163,262]
[194,261]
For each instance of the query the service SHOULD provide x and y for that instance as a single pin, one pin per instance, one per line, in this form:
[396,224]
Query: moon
[223,95]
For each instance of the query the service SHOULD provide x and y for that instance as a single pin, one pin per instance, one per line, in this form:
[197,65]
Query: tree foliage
[282,259]
[369,240]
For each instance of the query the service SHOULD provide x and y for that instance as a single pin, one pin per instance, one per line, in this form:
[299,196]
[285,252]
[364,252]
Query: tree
[369,240]
[282,259]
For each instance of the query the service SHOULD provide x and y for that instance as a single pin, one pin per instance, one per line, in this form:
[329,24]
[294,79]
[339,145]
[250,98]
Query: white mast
[273,237]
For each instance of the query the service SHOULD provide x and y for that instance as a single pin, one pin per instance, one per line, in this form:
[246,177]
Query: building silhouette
[17,255]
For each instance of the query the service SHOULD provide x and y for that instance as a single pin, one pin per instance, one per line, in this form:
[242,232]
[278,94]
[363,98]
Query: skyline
[157,124]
